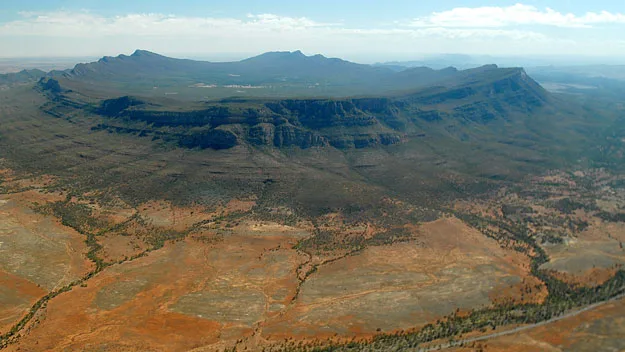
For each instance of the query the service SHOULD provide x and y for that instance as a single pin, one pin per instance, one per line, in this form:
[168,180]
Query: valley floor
[245,282]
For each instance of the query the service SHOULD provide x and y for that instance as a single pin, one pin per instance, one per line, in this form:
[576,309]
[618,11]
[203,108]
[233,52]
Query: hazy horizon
[361,32]
[46,63]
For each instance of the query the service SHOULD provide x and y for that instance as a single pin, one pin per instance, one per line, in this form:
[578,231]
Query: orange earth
[245,285]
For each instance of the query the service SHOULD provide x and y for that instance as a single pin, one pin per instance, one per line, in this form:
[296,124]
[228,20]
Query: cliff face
[286,123]
[214,139]
[366,140]
[319,114]
[113,107]
[284,135]
[50,85]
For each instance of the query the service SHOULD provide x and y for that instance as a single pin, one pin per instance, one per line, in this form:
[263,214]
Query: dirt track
[518,329]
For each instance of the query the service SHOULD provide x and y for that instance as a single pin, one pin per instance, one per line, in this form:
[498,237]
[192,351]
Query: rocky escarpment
[488,95]
[49,85]
[214,139]
[113,107]
[320,114]
[300,123]
[284,135]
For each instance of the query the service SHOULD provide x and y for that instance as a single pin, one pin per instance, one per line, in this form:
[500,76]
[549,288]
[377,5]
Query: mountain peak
[487,67]
[144,53]
[279,55]
[137,54]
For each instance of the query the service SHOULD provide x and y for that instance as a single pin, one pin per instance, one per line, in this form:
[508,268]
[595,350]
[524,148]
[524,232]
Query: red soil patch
[145,321]
[17,295]
[589,278]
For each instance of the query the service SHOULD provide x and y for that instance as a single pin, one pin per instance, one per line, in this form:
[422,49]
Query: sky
[364,30]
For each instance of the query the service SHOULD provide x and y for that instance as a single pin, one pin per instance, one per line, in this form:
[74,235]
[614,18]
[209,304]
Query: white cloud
[519,14]
[479,30]
[83,24]
[286,22]
[86,25]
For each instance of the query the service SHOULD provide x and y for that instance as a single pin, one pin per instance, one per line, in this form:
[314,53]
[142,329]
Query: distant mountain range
[293,74]
[276,74]
[272,67]
[463,61]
